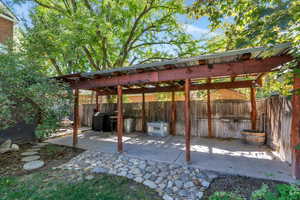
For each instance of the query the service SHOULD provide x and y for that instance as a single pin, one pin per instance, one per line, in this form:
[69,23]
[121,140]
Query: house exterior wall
[6,30]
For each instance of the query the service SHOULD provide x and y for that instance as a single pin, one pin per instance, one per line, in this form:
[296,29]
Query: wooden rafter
[232,78]
[202,71]
[205,86]
[260,76]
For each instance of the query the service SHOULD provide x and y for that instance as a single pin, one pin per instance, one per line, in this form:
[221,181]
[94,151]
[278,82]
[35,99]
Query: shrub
[26,94]
[282,192]
[225,196]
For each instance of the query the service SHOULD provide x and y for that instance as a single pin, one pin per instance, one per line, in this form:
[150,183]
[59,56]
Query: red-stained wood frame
[205,86]
[97,102]
[187,120]
[173,114]
[295,129]
[253,108]
[143,114]
[120,122]
[233,69]
[199,71]
[209,118]
[76,117]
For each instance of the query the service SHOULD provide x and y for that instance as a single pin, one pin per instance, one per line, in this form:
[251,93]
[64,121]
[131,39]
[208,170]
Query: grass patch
[53,185]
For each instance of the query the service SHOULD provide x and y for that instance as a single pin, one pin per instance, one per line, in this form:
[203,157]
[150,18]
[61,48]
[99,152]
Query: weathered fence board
[228,117]
[278,125]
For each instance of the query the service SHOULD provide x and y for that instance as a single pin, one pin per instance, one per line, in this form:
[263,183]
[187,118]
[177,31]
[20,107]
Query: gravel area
[171,181]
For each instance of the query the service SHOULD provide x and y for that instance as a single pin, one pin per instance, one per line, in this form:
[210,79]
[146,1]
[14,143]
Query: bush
[26,94]
[225,196]
[283,192]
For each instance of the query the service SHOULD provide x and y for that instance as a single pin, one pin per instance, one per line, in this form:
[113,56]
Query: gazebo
[232,69]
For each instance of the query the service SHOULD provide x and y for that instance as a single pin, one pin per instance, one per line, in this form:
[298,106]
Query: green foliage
[54,185]
[224,196]
[28,95]
[73,36]
[248,23]
[253,23]
[283,192]
[263,194]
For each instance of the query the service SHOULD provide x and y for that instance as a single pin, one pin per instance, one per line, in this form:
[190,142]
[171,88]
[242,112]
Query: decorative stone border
[171,181]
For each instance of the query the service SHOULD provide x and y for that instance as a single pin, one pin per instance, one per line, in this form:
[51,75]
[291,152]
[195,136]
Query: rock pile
[7,146]
[171,181]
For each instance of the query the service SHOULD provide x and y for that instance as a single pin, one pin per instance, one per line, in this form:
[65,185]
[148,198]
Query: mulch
[52,155]
[243,186]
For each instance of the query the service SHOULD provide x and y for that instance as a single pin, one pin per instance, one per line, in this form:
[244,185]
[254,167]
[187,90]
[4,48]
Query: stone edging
[171,181]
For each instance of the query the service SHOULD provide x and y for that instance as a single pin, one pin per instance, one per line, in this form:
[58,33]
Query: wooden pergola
[233,69]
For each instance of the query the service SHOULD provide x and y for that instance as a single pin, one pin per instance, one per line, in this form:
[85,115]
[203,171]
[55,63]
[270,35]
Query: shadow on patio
[225,156]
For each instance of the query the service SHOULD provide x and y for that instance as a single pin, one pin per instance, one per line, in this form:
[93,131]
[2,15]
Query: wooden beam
[205,86]
[143,114]
[187,120]
[76,117]
[253,108]
[196,71]
[295,129]
[260,76]
[97,102]
[173,115]
[209,121]
[232,79]
[120,125]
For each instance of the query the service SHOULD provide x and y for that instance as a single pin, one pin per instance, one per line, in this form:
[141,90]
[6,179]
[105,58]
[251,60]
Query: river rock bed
[171,181]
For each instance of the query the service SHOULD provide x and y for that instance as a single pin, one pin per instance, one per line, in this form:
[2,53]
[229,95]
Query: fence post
[295,135]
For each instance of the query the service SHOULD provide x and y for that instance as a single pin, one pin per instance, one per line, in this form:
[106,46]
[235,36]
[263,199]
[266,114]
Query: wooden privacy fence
[278,126]
[228,117]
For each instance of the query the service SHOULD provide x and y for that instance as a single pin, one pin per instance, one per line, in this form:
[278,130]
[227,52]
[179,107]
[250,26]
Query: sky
[197,28]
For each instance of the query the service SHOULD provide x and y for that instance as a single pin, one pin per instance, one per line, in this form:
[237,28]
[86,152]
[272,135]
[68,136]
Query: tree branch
[152,43]
[133,60]
[90,58]
[48,6]
[124,51]
[153,58]
[56,66]
[88,5]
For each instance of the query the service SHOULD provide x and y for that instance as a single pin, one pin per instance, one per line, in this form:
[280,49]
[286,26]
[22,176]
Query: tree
[89,35]
[27,95]
[251,23]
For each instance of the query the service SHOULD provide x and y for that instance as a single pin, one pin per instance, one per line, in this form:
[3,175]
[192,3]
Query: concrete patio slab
[226,156]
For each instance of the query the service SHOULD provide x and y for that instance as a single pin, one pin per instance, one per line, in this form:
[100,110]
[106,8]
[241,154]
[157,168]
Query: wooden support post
[97,102]
[295,130]
[143,114]
[120,125]
[253,108]
[76,117]
[173,115]
[209,122]
[187,119]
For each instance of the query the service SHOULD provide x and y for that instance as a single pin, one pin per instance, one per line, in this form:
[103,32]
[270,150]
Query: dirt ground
[241,185]
[52,155]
